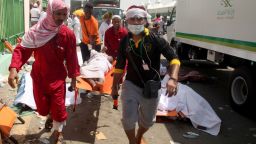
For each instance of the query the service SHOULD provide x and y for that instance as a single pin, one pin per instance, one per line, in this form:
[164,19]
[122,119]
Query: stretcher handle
[76,94]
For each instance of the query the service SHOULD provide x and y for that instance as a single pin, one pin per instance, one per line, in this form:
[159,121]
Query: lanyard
[140,47]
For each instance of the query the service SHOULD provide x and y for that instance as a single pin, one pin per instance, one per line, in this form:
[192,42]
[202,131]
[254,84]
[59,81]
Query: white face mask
[135,29]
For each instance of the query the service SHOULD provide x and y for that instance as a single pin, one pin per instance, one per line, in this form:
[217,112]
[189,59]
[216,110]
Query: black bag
[151,89]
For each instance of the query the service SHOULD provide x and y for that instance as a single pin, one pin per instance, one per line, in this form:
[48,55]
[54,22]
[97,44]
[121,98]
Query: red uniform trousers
[50,98]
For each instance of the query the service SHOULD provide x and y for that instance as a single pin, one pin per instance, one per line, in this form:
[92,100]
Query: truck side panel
[218,25]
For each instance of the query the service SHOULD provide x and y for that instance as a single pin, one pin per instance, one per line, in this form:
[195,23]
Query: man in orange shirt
[90,32]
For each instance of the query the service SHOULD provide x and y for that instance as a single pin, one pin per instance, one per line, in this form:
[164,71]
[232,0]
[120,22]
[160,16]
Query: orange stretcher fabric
[8,46]
[106,87]
[168,114]
[7,119]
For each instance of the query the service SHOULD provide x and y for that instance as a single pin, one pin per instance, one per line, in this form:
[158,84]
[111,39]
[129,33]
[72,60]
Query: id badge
[145,66]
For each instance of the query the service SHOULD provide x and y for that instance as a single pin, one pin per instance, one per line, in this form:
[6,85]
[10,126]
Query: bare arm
[172,84]
[71,60]
[19,58]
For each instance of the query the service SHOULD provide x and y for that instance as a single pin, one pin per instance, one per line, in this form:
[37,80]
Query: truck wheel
[183,51]
[241,89]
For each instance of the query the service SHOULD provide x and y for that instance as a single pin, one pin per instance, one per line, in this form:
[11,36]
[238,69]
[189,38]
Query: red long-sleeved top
[51,58]
[113,39]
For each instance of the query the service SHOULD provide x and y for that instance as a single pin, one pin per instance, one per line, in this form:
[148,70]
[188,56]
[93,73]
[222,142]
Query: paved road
[235,128]
[96,115]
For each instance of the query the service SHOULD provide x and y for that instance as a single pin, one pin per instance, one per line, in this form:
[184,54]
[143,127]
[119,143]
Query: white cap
[35,5]
[116,16]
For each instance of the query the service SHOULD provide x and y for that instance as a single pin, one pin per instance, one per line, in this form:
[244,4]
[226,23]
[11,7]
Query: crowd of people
[135,48]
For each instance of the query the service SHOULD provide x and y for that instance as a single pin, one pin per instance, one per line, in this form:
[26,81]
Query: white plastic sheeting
[192,105]
[96,66]
[25,93]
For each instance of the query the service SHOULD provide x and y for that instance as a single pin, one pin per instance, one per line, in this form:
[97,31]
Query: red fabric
[157,20]
[49,72]
[113,39]
[50,98]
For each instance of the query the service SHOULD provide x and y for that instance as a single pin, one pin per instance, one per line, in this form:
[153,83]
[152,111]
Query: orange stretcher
[7,45]
[162,117]
[167,114]
[7,119]
[106,86]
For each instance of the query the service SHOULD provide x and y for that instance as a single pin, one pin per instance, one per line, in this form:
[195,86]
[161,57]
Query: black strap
[128,49]
[153,39]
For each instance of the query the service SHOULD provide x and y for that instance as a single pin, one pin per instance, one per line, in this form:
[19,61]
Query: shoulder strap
[154,39]
[128,50]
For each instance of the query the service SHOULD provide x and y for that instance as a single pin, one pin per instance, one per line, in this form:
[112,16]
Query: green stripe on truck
[250,46]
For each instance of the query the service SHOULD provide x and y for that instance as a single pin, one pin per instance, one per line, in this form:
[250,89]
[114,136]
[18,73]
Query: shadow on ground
[81,125]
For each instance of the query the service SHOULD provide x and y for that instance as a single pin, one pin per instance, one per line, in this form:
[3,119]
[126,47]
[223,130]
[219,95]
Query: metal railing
[11,20]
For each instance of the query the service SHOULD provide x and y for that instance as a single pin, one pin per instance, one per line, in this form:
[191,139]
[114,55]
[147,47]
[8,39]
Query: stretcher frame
[106,89]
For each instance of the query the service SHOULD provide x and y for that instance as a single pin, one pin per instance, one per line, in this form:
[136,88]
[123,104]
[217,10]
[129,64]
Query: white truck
[222,31]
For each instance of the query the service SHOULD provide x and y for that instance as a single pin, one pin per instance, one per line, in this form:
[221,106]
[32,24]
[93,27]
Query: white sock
[58,126]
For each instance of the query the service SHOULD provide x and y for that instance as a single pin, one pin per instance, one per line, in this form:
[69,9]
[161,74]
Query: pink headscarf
[44,30]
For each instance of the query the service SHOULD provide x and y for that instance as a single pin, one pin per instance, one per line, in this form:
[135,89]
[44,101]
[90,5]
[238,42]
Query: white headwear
[133,12]
[35,5]
[116,16]
[44,30]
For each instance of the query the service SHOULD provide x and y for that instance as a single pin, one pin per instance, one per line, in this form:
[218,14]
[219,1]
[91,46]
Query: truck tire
[241,89]
[183,51]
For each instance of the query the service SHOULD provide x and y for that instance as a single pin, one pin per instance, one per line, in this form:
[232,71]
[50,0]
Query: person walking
[77,27]
[43,14]
[34,14]
[54,47]
[106,23]
[113,37]
[141,87]
[90,32]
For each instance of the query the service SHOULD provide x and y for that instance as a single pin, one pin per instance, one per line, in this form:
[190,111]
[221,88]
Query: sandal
[142,141]
[48,124]
[59,139]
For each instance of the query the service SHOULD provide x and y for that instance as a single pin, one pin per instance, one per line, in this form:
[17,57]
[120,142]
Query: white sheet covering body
[192,105]
[96,66]
[25,93]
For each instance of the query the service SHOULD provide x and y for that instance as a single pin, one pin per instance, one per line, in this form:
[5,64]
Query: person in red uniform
[113,36]
[54,49]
